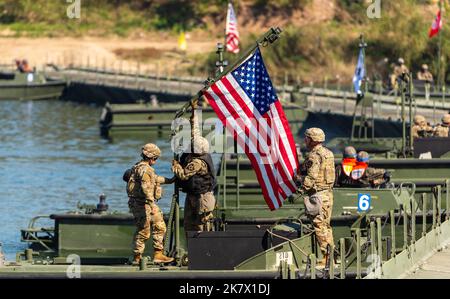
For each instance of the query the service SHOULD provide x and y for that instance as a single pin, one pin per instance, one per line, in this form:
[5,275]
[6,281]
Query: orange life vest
[358,170]
[347,165]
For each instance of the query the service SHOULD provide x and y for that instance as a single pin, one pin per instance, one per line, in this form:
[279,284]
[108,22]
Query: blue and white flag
[360,72]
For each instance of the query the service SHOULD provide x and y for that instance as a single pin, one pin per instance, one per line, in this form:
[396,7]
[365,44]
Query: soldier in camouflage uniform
[317,188]
[421,128]
[144,189]
[442,130]
[424,74]
[196,176]
[399,70]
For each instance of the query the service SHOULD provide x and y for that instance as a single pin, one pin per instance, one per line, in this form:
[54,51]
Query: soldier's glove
[194,104]
[171,180]
[175,164]
[297,195]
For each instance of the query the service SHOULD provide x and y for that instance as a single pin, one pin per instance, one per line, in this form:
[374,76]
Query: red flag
[246,103]
[436,26]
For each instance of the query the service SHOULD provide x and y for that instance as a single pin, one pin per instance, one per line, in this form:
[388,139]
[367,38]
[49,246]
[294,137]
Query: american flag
[231,32]
[247,105]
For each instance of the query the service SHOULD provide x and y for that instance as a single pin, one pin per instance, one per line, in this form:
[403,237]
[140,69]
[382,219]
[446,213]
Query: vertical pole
[440,81]
[177,226]
[331,262]
[224,168]
[405,228]
[402,94]
[411,99]
[413,221]
[373,250]
[342,254]
[439,202]
[394,245]
[238,200]
[379,242]
[434,211]
[447,199]
[358,253]
[312,258]
[424,214]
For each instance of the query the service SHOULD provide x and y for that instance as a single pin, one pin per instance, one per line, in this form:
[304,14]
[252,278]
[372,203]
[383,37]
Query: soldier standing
[196,176]
[399,70]
[344,169]
[424,74]
[144,189]
[317,185]
[421,128]
[442,130]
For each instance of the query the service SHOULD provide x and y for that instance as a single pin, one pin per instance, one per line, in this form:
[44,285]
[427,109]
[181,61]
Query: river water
[52,157]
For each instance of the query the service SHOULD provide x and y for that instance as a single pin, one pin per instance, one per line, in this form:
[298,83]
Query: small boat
[29,86]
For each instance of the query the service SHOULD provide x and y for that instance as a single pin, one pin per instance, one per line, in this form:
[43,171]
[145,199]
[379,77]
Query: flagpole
[439,82]
[268,38]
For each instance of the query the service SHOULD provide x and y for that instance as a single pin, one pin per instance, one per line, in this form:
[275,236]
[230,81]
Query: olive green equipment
[173,231]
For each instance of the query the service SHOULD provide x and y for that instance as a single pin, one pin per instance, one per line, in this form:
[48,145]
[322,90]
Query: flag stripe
[262,179]
[248,130]
[234,98]
[243,101]
[249,108]
[231,32]
[267,178]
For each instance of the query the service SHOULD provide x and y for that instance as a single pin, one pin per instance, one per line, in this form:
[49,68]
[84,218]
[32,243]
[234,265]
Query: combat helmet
[349,152]
[446,119]
[201,145]
[151,151]
[363,156]
[419,120]
[316,134]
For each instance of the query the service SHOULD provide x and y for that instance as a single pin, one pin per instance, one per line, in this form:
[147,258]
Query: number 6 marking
[363,202]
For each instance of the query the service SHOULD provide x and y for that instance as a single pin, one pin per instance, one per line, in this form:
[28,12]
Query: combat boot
[159,257]
[136,259]
[322,263]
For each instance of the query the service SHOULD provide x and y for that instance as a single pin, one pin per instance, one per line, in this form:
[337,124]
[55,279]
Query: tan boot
[136,259]
[159,257]
[322,263]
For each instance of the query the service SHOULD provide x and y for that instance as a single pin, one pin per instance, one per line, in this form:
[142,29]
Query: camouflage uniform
[421,128]
[318,181]
[198,207]
[399,70]
[424,74]
[442,130]
[144,189]
[199,203]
